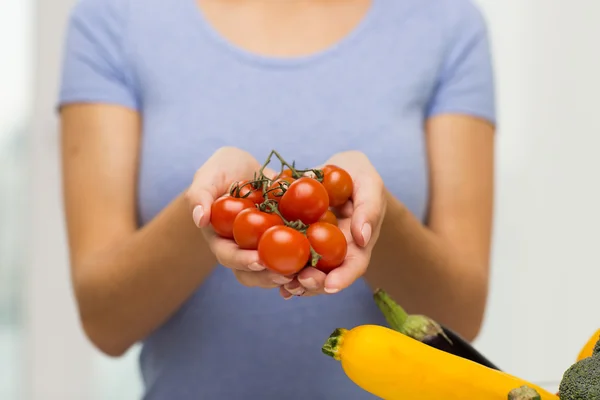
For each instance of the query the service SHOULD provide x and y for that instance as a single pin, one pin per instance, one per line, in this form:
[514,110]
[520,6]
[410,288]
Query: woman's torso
[198,92]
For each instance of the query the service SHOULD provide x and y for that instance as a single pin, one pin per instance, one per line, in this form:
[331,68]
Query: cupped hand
[213,180]
[359,219]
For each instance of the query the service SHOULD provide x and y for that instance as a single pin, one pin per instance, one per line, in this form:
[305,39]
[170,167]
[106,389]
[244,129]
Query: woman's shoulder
[462,14]
[95,64]
[106,15]
[101,8]
[451,16]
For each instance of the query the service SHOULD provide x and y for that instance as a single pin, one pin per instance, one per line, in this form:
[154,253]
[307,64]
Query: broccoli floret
[596,351]
[582,380]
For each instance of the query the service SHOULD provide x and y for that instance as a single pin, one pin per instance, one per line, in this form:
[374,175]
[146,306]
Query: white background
[546,265]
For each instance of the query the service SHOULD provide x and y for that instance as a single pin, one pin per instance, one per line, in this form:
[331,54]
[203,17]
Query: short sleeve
[466,81]
[95,68]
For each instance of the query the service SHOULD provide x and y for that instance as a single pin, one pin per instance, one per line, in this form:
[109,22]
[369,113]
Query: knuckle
[265,280]
[375,214]
[197,177]
[243,279]
[189,196]
[355,153]
[378,181]
[238,259]
[226,148]
[194,191]
[362,262]
[312,293]
[247,283]
[221,259]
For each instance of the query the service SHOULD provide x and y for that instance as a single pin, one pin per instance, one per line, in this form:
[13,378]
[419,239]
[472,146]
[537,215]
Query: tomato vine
[300,199]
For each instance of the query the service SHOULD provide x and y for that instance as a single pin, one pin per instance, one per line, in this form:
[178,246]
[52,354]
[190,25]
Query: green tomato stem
[284,163]
[283,186]
[237,188]
[266,163]
[315,257]
[270,206]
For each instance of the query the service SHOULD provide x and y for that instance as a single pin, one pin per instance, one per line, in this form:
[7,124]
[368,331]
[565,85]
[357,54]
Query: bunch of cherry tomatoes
[289,219]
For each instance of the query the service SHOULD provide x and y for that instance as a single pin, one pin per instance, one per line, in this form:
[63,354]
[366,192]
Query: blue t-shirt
[407,60]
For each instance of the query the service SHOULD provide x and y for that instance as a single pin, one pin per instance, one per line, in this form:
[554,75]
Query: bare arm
[442,269]
[127,281]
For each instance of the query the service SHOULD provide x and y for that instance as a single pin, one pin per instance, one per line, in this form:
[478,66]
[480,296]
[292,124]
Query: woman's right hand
[211,181]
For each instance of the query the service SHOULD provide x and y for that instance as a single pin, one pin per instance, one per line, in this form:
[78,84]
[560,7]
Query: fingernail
[281,280]
[366,233]
[288,296]
[197,214]
[331,290]
[309,283]
[256,267]
[295,288]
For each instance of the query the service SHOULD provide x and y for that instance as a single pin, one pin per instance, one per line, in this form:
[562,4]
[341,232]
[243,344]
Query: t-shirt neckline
[198,17]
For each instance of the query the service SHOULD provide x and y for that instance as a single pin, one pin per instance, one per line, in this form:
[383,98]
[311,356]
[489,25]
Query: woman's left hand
[360,219]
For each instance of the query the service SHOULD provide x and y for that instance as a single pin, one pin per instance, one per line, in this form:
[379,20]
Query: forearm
[427,275]
[129,289]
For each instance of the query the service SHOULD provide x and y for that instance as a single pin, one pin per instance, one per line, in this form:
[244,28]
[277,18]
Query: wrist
[395,209]
[397,223]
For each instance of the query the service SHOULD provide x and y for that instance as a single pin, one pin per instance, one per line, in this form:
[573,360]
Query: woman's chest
[307,110]
[307,123]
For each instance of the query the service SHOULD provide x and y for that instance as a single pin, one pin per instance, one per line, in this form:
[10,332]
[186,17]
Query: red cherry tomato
[246,190]
[223,212]
[286,173]
[283,250]
[249,226]
[330,243]
[329,217]
[274,191]
[305,200]
[338,184]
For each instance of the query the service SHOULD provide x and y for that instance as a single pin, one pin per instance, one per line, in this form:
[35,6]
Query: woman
[164,103]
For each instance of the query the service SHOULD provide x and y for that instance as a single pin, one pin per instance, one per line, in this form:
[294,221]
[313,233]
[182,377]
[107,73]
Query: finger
[344,225]
[209,185]
[205,189]
[312,280]
[264,279]
[369,204]
[295,288]
[284,293]
[354,266]
[229,255]
[345,210]
[308,293]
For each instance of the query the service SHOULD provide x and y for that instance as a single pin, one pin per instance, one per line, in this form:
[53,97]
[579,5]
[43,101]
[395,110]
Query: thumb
[205,189]
[369,208]
[203,192]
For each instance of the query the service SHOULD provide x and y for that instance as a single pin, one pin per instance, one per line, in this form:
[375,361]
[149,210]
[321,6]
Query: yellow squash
[393,366]
[587,350]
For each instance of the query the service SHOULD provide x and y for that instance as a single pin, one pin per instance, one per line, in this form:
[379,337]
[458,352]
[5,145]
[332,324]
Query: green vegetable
[524,393]
[582,380]
[418,327]
[426,330]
